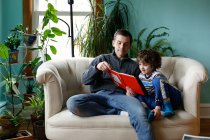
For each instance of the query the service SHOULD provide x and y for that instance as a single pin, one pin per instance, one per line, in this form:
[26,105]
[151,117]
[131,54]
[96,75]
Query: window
[81,8]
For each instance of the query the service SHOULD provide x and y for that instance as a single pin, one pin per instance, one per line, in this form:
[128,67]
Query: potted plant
[10,121]
[13,41]
[154,40]
[29,86]
[10,124]
[47,33]
[37,115]
[97,37]
[37,103]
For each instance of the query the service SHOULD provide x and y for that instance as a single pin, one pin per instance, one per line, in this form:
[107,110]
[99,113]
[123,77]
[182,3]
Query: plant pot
[39,128]
[22,135]
[28,71]
[35,118]
[7,130]
[13,56]
[29,39]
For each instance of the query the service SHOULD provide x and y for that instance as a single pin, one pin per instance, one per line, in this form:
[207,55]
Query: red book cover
[124,80]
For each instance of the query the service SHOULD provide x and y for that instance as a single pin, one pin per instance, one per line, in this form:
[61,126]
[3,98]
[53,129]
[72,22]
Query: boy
[161,96]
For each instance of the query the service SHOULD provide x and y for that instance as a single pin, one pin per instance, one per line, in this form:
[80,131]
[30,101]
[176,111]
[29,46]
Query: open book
[124,80]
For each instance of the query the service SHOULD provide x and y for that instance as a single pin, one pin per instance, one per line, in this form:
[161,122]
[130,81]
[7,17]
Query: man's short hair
[123,32]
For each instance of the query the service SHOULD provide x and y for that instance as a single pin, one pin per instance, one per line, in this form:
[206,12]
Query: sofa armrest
[191,75]
[46,75]
[61,80]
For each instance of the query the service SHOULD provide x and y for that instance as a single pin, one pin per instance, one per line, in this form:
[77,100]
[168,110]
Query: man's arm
[96,68]
[90,75]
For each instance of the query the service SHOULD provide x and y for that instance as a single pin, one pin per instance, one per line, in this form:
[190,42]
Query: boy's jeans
[111,103]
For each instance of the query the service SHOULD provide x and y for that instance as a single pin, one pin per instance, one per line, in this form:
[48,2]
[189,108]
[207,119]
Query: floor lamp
[70,2]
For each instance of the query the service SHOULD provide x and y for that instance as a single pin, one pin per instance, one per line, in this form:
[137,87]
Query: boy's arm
[157,88]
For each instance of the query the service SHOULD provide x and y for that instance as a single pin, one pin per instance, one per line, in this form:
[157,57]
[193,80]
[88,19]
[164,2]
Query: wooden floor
[205,127]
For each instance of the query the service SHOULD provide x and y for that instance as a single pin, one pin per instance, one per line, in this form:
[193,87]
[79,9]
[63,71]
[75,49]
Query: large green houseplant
[47,33]
[97,37]
[156,39]
[46,36]
[11,120]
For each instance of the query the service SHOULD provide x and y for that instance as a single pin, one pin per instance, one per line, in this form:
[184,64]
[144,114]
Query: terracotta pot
[13,56]
[28,71]
[7,130]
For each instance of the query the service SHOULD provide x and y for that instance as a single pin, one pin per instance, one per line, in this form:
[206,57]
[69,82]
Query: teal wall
[11,15]
[1,20]
[189,24]
[188,21]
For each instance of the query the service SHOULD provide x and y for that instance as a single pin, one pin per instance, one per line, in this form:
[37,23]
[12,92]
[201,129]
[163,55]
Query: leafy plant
[48,33]
[4,51]
[14,39]
[8,79]
[37,103]
[10,118]
[97,37]
[14,120]
[27,72]
[153,40]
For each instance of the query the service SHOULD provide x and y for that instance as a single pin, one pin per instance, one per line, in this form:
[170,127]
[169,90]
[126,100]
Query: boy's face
[145,68]
[121,45]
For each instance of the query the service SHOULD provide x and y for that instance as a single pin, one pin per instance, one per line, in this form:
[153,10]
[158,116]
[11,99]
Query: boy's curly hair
[151,57]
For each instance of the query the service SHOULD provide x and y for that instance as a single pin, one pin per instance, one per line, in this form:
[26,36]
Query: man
[106,97]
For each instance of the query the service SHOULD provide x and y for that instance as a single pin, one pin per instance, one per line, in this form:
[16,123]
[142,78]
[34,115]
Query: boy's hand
[129,92]
[157,112]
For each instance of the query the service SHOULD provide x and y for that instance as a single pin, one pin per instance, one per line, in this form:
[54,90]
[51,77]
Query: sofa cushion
[66,119]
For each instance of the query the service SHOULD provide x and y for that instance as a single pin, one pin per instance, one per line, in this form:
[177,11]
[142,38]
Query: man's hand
[129,92]
[104,66]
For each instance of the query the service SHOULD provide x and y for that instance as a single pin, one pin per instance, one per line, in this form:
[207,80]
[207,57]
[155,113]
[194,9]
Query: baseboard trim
[205,111]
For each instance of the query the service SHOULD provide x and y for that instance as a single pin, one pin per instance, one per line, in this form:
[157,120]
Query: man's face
[121,45]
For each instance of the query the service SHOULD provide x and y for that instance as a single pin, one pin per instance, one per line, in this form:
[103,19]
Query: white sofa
[61,79]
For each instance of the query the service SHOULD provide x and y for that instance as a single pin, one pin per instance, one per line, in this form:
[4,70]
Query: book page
[116,79]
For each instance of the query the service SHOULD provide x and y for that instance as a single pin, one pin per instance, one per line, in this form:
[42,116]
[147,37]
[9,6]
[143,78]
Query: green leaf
[4,51]
[53,49]
[45,22]
[51,35]
[47,57]
[47,32]
[57,31]
[35,61]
